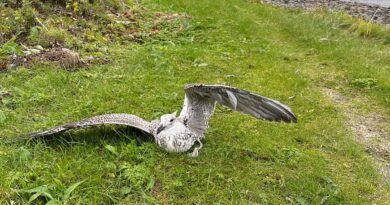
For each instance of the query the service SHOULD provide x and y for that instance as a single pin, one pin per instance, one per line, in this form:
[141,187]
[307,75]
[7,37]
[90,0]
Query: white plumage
[179,134]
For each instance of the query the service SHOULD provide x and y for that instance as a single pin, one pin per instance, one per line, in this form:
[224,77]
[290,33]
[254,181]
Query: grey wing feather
[200,101]
[117,119]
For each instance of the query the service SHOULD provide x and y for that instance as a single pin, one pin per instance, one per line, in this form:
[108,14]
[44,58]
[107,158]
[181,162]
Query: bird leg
[196,149]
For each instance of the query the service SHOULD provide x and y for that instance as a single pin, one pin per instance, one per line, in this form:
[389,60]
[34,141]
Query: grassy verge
[244,161]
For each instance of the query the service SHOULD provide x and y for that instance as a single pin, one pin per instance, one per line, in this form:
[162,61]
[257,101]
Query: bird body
[179,134]
[176,138]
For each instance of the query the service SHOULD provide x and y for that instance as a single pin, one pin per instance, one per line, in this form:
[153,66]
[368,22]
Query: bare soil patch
[63,57]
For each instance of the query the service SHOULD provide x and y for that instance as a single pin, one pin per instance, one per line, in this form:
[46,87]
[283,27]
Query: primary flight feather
[179,134]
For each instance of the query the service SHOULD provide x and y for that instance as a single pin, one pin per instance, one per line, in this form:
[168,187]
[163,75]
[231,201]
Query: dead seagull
[179,134]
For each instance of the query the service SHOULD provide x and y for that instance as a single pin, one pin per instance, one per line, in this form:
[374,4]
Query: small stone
[26,53]
[324,39]
[39,47]
[34,51]
[203,65]
[90,58]
[65,50]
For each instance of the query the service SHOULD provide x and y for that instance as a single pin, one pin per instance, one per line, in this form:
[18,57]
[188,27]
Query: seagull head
[166,120]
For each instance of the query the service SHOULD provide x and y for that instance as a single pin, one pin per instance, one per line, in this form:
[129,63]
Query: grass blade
[70,189]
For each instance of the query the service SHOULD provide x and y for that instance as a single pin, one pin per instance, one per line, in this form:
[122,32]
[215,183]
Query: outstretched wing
[116,119]
[199,104]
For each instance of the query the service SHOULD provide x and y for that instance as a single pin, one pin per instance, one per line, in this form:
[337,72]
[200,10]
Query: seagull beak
[161,128]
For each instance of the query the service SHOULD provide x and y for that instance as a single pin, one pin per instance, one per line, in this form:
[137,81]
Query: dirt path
[370,10]
[370,129]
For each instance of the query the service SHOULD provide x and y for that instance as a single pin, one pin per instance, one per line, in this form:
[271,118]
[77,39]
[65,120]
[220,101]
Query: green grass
[270,51]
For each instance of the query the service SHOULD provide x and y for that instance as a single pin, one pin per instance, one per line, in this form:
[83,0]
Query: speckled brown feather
[117,119]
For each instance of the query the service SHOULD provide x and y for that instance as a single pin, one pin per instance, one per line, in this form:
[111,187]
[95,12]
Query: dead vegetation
[76,33]
[62,57]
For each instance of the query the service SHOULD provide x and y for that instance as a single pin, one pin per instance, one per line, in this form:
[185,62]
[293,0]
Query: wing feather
[115,119]
[200,102]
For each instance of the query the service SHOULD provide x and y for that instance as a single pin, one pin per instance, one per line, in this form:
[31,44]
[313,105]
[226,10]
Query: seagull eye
[171,120]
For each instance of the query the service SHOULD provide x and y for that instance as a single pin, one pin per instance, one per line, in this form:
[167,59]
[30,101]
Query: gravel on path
[371,10]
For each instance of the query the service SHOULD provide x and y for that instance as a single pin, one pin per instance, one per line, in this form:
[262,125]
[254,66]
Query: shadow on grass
[95,136]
